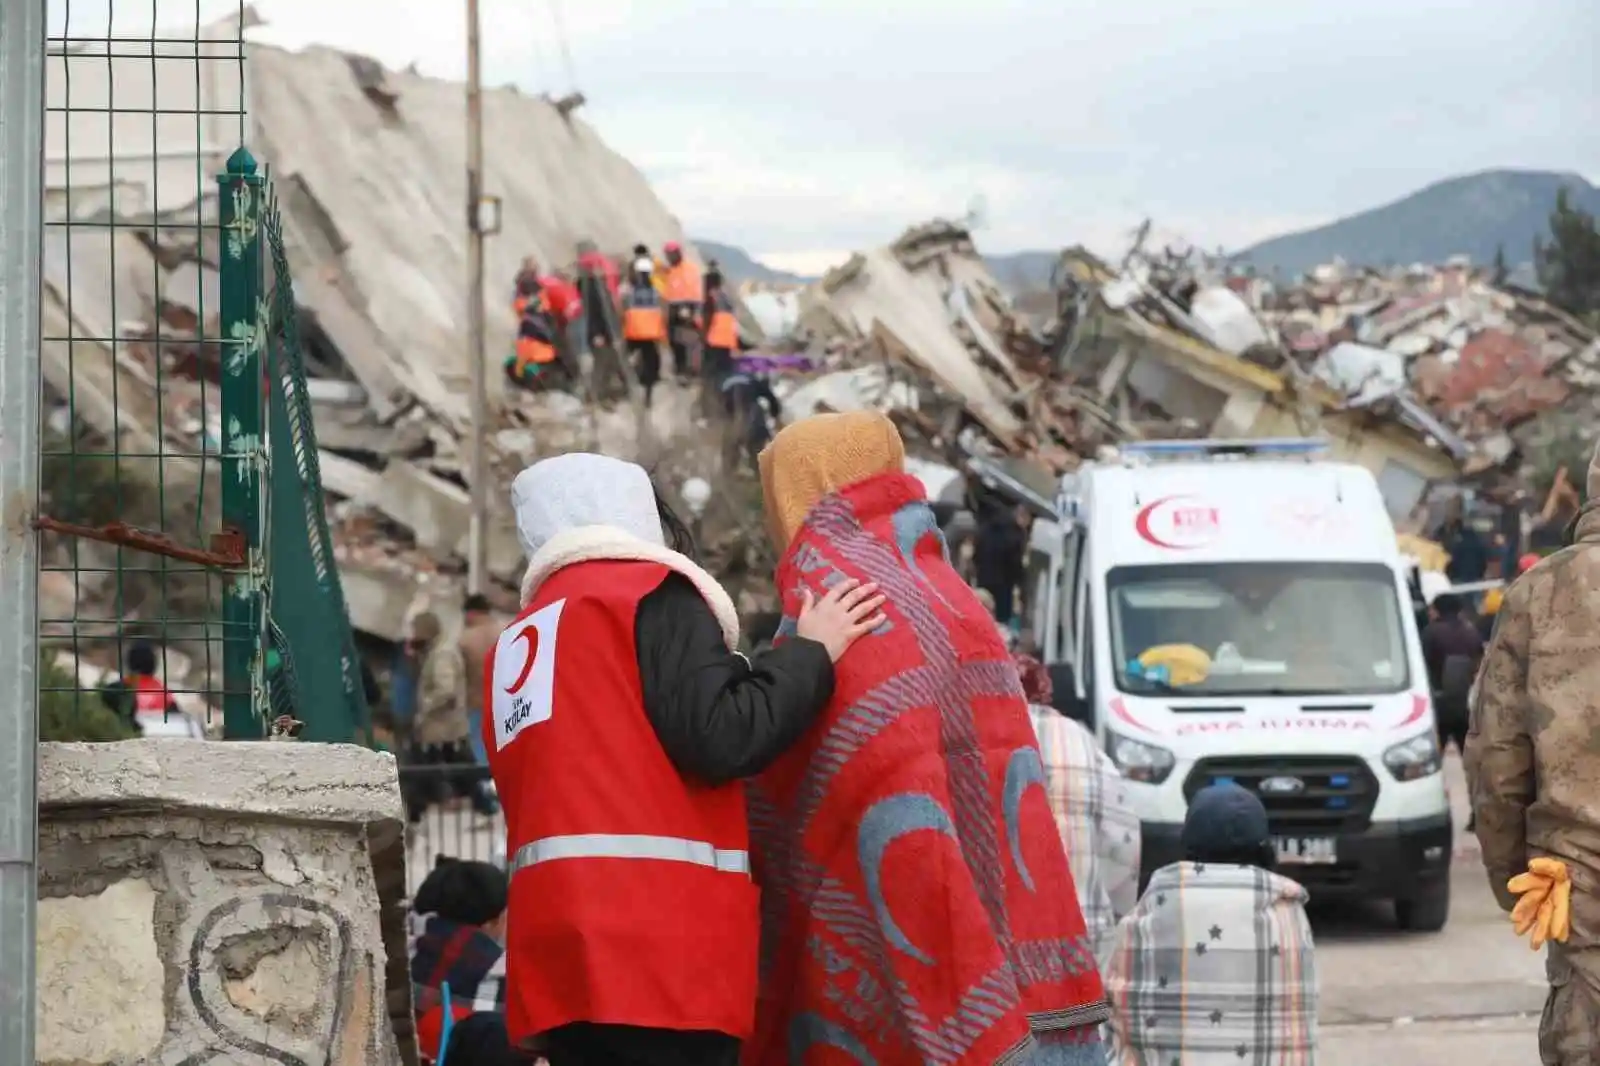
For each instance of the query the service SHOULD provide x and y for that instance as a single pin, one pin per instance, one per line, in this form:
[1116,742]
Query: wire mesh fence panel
[152,575]
[314,671]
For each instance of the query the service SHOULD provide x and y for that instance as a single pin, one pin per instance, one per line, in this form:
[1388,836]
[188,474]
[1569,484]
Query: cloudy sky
[797,129]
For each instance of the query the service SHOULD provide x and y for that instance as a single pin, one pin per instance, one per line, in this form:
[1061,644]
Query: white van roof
[1267,510]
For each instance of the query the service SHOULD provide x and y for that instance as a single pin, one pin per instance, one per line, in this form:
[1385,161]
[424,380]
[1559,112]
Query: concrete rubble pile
[922,330]
[1428,376]
[1488,359]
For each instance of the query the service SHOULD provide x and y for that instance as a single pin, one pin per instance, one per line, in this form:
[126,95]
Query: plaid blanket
[1214,966]
[471,960]
[1100,830]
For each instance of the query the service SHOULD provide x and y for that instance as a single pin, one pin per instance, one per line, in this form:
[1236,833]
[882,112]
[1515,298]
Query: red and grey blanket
[917,904]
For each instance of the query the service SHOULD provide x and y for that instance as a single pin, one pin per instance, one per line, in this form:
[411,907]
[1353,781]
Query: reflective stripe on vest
[630,846]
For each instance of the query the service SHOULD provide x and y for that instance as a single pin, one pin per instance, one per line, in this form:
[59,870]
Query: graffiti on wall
[219,935]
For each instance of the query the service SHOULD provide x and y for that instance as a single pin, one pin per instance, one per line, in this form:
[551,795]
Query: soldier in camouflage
[1533,765]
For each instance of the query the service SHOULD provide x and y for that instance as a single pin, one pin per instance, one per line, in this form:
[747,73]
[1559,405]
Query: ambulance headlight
[1139,761]
[1411,760]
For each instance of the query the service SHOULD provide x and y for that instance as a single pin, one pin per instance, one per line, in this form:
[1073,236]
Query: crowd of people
[599,320]
[832,840]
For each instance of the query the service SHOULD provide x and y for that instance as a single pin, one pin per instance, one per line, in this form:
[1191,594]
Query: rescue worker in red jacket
[722,330]
[644,325]
[685,293]
[621,724]
[138,692]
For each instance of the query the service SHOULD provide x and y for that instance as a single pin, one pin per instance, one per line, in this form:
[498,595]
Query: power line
[566,49]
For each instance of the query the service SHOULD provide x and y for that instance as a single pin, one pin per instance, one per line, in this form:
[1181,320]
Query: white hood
[578,507]
[581,489]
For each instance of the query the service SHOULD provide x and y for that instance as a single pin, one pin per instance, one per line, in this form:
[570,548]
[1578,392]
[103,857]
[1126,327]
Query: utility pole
[477,354]
[22,50]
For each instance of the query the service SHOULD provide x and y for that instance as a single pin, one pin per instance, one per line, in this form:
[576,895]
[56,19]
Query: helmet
[672,246]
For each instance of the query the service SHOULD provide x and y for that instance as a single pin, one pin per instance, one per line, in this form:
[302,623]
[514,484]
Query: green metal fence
[311,636]
[178,480]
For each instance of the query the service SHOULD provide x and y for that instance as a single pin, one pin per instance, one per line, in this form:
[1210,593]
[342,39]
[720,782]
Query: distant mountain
[1017,271]
[737,265]
[1471,215]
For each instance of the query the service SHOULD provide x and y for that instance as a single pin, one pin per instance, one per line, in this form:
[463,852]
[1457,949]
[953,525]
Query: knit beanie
[463,891]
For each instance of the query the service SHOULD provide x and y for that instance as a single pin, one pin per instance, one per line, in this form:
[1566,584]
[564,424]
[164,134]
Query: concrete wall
[221,902]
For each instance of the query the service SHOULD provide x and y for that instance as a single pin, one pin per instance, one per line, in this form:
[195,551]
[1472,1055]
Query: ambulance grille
[1335,793]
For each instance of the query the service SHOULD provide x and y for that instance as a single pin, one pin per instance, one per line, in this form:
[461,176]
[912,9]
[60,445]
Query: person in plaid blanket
[1089,800]
[458,929]
[1216,965]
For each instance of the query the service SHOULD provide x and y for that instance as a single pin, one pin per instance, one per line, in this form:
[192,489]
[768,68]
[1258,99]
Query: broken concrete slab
[378,599]
[395,310]
[348,478]
[204,900]
[439,514]
[876,295]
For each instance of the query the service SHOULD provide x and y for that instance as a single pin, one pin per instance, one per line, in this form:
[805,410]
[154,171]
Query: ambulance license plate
[1307,851]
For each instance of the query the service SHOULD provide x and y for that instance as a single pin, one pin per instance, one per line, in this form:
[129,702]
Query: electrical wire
[566,49]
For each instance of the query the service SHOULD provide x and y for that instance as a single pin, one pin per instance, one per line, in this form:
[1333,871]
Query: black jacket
[1450,639]
[998,554]
[719,715]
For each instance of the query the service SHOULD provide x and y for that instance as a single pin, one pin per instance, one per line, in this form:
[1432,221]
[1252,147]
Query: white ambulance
[1239,611]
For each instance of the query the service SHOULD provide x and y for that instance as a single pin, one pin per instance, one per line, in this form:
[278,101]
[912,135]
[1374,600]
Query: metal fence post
[22,48]
[244,333]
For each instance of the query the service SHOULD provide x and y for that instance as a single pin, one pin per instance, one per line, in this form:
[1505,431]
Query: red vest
[909,862]
[149,694]
[631,899]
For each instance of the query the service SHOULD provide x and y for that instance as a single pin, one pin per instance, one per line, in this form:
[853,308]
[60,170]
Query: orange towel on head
[821,454]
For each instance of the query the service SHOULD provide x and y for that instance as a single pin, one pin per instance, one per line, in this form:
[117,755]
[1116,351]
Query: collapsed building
[1425,376]
[1433,378]
[368,182]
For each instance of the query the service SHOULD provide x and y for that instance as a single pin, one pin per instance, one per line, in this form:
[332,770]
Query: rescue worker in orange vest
[685,293]
[722,330]
[536,344]
[621,724]
[644,325]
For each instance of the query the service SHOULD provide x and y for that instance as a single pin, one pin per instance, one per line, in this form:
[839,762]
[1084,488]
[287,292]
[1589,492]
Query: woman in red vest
[621,722]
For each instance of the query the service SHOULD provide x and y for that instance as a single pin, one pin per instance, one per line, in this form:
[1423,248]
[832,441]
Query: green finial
[241,163]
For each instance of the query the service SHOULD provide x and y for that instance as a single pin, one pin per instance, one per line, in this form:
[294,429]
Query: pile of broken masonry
[1431,372]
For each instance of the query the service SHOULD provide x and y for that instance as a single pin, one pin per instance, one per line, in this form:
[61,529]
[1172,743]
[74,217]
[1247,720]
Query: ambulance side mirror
[1064,695]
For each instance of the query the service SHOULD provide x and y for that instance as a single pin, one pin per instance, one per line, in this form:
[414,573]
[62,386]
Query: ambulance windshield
[1239,629]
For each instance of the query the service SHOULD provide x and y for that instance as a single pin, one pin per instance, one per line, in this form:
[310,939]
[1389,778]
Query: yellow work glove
[1545,906]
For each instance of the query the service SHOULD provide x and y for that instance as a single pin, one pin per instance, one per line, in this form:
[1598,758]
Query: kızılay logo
[1179,522]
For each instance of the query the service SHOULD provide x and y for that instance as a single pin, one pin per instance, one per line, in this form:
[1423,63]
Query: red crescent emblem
[530,634]
[1120,709]
[1141,522]
[1419,707]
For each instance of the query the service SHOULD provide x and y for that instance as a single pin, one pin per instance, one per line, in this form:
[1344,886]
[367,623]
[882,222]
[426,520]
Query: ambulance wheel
[1425,913]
